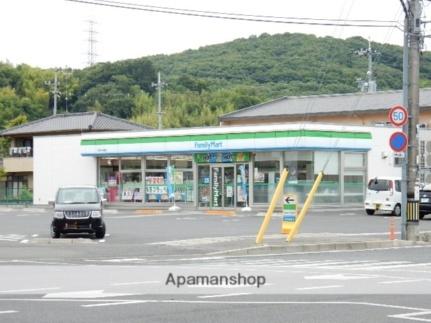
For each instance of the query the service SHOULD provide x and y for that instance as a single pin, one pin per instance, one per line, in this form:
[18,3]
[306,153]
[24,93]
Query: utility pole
[159,85]
[54,90]
[406,126]
[410,219]
[67,72]
[370,85]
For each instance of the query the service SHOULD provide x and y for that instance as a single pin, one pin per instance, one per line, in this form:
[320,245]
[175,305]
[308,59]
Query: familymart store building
[228,167]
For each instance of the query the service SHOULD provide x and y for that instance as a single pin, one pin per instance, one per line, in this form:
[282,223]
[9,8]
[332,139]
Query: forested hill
[204,83]
[290,64]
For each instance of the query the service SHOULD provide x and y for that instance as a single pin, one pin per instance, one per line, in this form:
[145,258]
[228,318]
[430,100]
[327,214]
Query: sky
[54,33]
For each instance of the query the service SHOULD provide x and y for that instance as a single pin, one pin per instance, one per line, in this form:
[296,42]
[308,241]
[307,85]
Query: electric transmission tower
[91,54]
[370,84]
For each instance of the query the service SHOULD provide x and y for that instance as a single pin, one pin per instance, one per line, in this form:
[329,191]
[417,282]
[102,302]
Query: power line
[238,14]
[238,17]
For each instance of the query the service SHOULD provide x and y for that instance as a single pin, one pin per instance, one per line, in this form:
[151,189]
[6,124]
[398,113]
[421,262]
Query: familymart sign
[150,143]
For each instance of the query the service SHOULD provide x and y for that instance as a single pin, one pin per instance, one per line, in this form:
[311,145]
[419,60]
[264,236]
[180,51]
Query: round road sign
[398,115]
[398,141]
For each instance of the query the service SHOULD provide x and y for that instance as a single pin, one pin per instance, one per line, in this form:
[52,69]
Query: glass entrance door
[228,181]
[222,186]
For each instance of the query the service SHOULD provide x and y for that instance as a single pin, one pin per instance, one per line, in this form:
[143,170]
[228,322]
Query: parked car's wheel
[54,233]
[397,210]
[369,211]
[100,233]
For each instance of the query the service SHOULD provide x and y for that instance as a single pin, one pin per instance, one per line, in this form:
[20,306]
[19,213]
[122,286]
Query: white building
[226,166]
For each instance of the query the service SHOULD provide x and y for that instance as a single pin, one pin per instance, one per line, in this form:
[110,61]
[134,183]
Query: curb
[331,246]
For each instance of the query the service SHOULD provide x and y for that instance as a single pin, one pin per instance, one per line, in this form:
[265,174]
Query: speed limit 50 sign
[398,115]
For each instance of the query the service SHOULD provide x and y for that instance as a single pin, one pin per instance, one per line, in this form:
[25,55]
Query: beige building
[348,109]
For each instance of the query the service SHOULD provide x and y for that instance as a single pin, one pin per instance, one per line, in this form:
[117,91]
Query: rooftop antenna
[370,85]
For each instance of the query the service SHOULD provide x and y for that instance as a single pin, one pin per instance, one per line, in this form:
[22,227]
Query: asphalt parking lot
[124,277]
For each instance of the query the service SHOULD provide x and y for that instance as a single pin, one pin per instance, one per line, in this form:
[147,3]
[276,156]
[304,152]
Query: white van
[383,194]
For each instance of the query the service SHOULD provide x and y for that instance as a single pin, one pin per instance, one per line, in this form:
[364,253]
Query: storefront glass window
[183,178]
[354,177]
[266,176]
[183,186]
[204,186]
[300,166]
[354,160]
[155,187]
[130,163]
[156,162]
[329,188]
[242,187]
[109,178]
[131,187]
[185,162]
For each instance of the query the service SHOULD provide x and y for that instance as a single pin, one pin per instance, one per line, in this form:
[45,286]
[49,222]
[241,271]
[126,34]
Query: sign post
[398,141]
[289,213]
[398,116]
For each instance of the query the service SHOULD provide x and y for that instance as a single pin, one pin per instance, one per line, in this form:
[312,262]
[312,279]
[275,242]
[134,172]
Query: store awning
[227,139]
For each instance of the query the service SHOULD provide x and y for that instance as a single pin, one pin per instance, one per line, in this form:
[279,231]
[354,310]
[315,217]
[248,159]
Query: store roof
[73,123]
[327,104]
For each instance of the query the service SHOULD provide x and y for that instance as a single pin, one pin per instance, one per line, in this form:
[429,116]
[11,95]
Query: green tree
[144,109]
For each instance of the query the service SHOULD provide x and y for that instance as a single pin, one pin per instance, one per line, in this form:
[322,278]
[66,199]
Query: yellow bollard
[305,208]
[271,207]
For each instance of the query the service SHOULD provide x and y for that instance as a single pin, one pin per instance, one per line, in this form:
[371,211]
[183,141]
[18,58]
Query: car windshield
[379,185]
[77,196]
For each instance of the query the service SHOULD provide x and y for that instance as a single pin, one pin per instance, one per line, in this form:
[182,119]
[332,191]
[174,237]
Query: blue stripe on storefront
[125,154]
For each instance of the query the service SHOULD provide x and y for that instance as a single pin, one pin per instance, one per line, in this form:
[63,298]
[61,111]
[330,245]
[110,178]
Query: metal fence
[13,197]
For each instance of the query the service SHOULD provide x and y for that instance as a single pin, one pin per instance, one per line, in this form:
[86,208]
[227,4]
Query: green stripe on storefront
[230,136]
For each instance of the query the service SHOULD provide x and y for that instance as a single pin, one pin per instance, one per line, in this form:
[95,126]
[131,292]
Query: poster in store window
[178,178]
[229,191]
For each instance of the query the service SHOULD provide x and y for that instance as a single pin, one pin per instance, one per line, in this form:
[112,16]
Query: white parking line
[129,216]
[28,290]
[117,303]
[412,316]
[8,312]
[136,283]
[319,287]
[84,294]
[339,277]
[11,237]
[402,281]
[223,295]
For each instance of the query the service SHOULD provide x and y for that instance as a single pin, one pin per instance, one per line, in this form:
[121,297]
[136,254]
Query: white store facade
[216,167]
